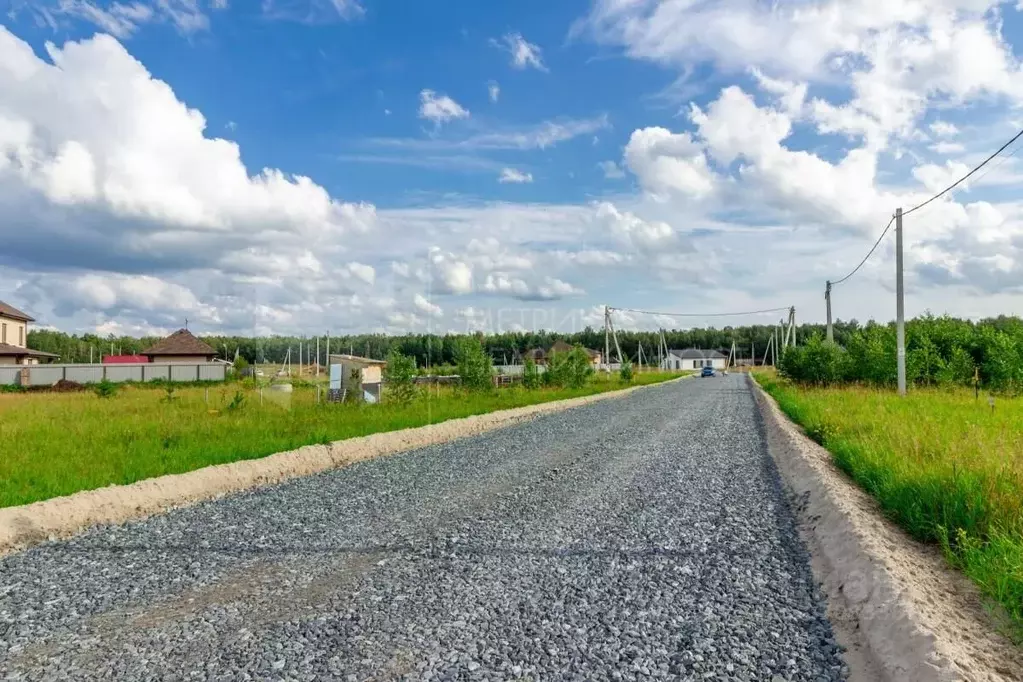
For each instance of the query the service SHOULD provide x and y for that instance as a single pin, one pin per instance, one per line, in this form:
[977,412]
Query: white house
[693,359]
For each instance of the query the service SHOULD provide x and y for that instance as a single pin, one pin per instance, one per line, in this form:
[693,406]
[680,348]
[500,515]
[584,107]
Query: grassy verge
[946,467]
[59,443]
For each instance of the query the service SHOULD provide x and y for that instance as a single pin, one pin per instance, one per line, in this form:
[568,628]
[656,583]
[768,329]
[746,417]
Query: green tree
[400,375]
[530,374]
[626,372]
[572,369]
[474,365]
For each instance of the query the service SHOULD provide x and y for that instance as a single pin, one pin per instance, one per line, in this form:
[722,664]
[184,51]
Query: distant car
[707,372]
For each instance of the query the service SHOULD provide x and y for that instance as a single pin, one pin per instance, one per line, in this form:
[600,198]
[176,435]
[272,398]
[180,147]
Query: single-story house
[14,348]
[693,359]
[181,347]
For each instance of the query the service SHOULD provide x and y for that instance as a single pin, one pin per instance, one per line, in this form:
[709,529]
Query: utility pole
[827,299]
[900,304]
[327,358]
[614,335]
[607,339]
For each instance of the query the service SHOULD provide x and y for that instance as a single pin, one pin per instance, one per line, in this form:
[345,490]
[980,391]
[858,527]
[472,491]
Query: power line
[651,312]
[965,177]
[934,198]
[869,253]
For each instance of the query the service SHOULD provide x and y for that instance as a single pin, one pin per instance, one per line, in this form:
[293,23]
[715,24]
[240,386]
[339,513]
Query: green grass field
[945,466]
[54,444]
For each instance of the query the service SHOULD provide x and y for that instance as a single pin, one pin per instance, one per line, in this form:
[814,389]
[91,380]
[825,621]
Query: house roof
[7,349]
[181,342]
[697,354]
[560,346]
[359,360]
[13,313]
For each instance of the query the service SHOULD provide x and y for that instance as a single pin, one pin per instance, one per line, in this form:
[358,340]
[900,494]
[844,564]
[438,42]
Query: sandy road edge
[903,613]
[27,525]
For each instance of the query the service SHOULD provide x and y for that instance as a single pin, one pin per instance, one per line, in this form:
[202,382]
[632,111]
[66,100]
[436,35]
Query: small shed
[180,347]
[359,376]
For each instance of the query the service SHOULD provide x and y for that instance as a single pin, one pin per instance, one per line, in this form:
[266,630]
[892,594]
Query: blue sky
[389,166]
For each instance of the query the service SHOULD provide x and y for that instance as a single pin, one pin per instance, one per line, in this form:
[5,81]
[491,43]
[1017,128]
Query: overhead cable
[869,253]
[934,198]
[965,177]
[652,312]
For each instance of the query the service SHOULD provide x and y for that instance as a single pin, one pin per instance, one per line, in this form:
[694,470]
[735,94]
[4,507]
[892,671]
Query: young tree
[530,374]
[474,365]
[400,376]
[626,372]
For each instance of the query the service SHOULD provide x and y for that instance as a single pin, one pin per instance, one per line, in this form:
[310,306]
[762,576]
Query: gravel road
[642,537]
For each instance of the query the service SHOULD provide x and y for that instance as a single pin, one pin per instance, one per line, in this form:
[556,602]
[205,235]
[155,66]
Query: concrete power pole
[900,304]
[607,339]
[827,299]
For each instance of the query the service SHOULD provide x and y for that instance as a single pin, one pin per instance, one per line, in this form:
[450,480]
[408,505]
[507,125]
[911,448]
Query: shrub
[474,366]
[626,372]
[531,374]
[106,389]
[817,362]
[236,402]
[400,376]
[240,364]
[571,370]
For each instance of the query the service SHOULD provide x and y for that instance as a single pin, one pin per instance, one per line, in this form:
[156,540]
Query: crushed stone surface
[645,537]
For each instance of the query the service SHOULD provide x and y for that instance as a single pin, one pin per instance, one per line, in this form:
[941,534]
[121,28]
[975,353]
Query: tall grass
[59,443]
[945,466]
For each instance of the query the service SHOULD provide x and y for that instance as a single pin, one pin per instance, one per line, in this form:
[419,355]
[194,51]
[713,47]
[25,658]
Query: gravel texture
[644,537]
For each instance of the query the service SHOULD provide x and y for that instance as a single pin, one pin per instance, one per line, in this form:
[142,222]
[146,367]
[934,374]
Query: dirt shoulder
[899,609]
[31,524]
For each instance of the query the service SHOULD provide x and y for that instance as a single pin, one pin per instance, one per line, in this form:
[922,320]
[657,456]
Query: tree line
[939,351]
[993,344]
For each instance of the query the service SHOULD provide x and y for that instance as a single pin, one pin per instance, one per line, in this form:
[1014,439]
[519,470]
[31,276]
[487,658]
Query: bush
[817,362]
[626,372]
[240,364]
[474,366]
[106,389]
[571,370]
[531,374]
[400,376]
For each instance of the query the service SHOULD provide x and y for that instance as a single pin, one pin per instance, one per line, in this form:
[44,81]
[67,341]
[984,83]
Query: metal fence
[47,375]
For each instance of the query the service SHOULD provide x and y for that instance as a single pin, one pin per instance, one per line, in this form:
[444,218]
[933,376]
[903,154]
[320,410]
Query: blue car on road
[707,372]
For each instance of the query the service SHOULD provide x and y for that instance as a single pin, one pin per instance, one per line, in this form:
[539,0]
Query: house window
[3,333]
[21,336]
